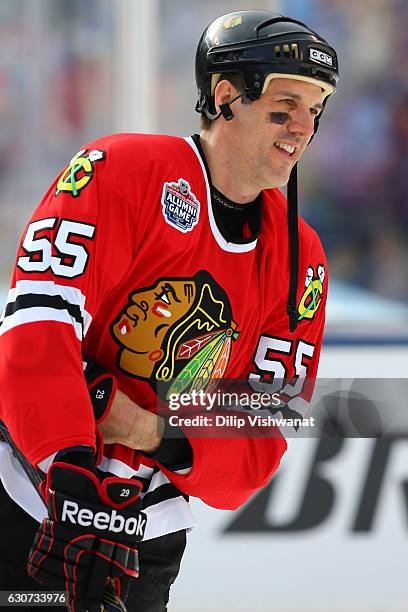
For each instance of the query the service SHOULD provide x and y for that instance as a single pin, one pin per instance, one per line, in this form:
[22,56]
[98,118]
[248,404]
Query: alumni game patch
[181,209]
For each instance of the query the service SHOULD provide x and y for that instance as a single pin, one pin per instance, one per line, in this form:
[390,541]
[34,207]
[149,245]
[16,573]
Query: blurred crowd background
[58,88]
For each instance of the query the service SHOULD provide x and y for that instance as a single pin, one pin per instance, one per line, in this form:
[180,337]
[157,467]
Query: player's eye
[288,102]
[315,112]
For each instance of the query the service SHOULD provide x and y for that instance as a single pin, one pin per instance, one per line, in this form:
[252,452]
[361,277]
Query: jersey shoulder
[130,152]
[119,170]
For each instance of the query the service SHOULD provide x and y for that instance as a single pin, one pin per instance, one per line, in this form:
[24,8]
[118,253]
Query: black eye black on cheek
[279,118]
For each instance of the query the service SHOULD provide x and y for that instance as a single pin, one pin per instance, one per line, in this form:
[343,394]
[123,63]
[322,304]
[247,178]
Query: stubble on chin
[273,178]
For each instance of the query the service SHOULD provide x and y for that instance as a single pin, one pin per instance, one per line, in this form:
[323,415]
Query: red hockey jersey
[123,261]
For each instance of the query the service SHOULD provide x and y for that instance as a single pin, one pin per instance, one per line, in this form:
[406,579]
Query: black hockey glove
[88,545]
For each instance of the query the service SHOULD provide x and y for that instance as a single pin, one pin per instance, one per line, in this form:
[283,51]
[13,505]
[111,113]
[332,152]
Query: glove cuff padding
[78,498]
[102,386]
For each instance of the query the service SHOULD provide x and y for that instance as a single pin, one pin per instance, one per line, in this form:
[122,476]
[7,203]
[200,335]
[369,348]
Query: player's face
[283,116]
[145,320]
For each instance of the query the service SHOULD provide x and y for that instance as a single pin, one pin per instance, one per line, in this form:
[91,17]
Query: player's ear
[224,92]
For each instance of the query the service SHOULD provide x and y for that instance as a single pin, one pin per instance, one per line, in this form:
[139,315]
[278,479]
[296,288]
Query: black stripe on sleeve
[32,300]
[162,493]
[145,482]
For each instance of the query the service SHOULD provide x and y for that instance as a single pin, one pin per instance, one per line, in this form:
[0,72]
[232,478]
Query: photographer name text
[238,422]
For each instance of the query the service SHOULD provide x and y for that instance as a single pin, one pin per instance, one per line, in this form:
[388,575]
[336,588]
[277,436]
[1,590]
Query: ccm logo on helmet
[114,522]
[319,56]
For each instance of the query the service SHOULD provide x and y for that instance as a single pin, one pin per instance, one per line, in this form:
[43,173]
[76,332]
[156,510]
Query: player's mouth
[124,327]
[160,310]
[285,148]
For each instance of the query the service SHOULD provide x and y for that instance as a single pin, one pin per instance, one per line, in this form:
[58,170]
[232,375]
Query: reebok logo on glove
[115,522]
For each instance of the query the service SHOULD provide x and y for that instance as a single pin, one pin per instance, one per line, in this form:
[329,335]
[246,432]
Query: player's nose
[302,123]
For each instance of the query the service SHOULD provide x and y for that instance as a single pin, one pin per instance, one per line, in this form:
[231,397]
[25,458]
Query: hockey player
[170,262]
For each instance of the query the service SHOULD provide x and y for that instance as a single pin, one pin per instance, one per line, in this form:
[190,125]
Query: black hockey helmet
[260,45]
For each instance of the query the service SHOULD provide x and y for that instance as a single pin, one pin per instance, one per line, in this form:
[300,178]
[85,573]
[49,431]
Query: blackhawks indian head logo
[178,331]
[313,293]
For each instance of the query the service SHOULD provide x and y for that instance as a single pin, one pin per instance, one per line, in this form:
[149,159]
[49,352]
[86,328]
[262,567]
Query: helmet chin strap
[293,234]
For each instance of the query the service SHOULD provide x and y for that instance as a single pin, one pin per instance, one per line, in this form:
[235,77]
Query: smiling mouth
[286,149]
